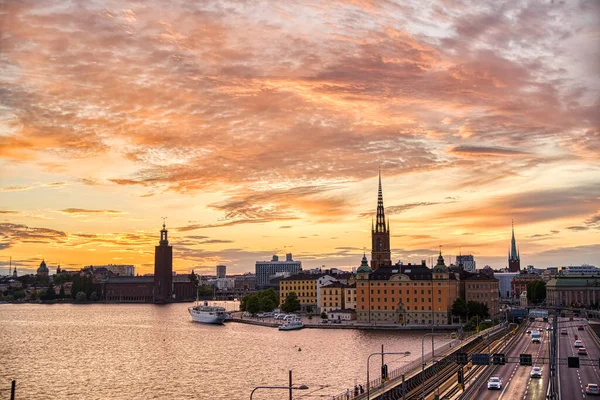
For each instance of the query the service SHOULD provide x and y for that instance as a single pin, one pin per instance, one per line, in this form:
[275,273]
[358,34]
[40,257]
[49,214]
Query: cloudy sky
[258,128]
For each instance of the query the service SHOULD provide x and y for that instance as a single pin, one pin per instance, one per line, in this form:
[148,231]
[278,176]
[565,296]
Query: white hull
[291,326]
[207,315]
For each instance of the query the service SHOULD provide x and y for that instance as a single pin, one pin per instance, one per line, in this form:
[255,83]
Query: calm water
[144,351]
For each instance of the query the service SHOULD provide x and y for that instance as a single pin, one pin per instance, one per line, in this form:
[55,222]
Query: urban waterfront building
[350,295]
[332,296]
[467,261]
[573,290]
[380,236]
[221,271]
[514,260]
[112,269]
[305,287]
[266,269]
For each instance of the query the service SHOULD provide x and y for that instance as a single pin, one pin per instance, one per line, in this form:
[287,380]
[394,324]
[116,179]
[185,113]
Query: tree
[291,303]
[94,296]
[475,308]
[50,293]
[536,291]
[323,315]
[194,278]
[80,297]
[459,308]
[61,294]
[252,304]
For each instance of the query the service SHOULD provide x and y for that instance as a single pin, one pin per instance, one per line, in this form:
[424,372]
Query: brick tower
[163,269]
[380,236]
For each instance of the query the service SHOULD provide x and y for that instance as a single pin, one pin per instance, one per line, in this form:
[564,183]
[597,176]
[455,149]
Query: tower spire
[380,223]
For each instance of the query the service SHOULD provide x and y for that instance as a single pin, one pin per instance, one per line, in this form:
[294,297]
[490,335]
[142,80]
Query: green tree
[80,297]
[50,293]
[61,294]
[324,315]
[252,304]
[475,308]
[194,278]
[18,294]
[291,303]
[536,291]
[459,308]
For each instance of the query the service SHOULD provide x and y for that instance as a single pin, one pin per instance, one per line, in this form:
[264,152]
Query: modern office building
[505,284]
[266,269]
[584,269]
[467,261]
[221,271]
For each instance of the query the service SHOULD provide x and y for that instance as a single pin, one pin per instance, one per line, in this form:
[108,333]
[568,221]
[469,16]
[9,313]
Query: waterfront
[143,351]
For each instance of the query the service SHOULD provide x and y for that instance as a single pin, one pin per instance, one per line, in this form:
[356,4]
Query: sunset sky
[258,128]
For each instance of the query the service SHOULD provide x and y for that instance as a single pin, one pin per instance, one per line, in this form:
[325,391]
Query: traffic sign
[462,358]
[573,362]
[499,359]
[525,359]
[480,359]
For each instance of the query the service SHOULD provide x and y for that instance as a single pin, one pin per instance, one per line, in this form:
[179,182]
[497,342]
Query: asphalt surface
[516,381]
[572,381]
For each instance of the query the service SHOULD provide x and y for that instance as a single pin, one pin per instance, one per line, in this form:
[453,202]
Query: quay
[312,324]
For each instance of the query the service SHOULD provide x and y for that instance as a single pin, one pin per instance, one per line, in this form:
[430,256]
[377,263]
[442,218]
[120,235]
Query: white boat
[291,325]
[207,314]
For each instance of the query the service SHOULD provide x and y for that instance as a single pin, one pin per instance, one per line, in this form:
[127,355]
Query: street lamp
[289,387]
[406,353]
[423,357]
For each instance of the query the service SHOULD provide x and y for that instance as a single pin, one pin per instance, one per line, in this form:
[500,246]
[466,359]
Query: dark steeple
[164,241]
[380,235]
[514,260]
[380,226]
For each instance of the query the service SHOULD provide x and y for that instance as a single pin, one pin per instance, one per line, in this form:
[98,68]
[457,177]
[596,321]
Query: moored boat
[291,325]
[207,314]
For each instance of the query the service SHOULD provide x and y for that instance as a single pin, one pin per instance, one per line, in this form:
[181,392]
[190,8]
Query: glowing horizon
[258,129]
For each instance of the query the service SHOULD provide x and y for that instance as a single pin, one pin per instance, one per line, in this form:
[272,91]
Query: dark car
[580,328]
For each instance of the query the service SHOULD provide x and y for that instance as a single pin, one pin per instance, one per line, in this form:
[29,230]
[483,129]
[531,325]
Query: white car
[578,343]
[495,383]
[536,372]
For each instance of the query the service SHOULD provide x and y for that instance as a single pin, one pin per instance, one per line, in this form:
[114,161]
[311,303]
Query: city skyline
[260,130]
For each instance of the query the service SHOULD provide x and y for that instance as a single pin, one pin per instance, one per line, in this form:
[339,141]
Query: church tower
[514,260]
[163,269]
[380,236]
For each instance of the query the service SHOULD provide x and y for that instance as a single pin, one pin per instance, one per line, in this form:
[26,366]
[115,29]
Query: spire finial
[380,223]
[164,222]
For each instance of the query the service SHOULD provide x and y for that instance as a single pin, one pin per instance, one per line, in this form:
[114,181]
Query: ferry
[291,325]
[208,314]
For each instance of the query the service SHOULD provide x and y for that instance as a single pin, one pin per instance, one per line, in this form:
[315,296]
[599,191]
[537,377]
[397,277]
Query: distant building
[350,296]
[43,270]
[467,261]
[520,281]
[341,315]
[573,290]
[504,283]
[265,269]
[221,271]
[481,288]
[584,269]
[514,260]
[246,282]
[110,269]
[523,299]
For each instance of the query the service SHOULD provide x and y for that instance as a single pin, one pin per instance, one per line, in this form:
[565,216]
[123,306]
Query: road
[517,383]
[572,381]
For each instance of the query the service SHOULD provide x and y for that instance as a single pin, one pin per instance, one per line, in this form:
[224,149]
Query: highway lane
[572,381]
[516,379]
[538,387]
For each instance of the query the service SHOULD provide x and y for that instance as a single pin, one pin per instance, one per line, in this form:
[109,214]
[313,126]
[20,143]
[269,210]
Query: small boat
[291,325]
[207,314]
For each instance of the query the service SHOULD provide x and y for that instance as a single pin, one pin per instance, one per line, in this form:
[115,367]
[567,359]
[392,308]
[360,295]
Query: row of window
[399,291]
[406,300]
[407,308]
[284,295]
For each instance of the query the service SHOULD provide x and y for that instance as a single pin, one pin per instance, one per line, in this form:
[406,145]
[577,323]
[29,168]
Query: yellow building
[332,296]
[305,287]
[350,296]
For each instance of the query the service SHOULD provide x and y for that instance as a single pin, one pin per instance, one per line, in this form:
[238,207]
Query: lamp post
[423,357]
[289,387]
[406,353]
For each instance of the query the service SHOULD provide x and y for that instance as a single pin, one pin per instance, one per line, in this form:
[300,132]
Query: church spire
[380,225]
[514,254]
